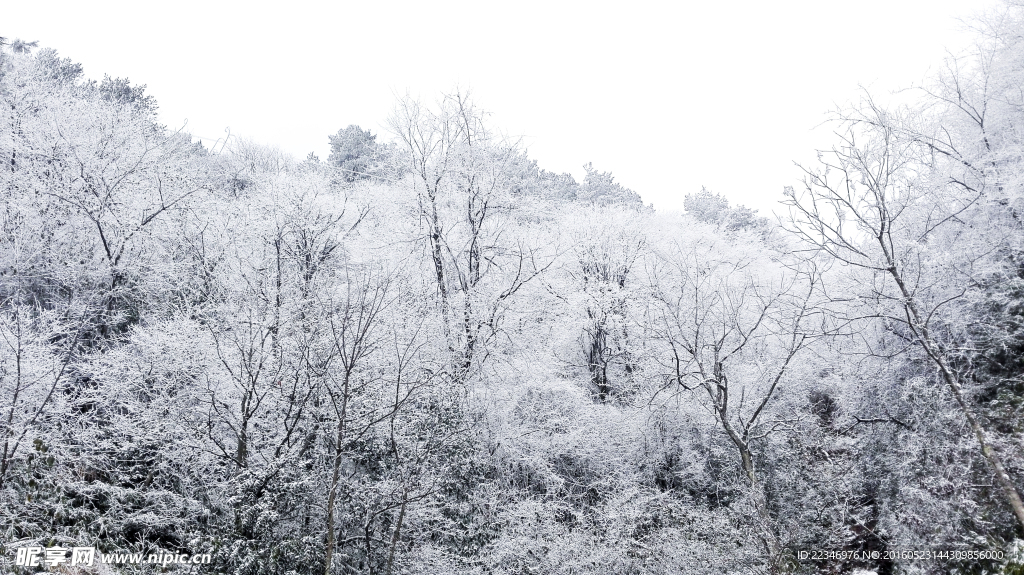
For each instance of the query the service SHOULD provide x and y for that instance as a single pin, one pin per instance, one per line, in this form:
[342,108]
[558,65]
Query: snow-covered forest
[427,354]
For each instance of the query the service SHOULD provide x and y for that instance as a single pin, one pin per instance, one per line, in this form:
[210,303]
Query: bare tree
[607,248]
[880,202]
[463,175]
[32,367]
[732,325]
[355,326]
[719,317]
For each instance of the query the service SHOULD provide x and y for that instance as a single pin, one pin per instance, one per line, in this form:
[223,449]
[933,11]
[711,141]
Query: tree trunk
[923,336]
[395,537]
[329,555]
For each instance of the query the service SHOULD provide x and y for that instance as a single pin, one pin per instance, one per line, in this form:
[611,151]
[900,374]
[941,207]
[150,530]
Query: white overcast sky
[668,96]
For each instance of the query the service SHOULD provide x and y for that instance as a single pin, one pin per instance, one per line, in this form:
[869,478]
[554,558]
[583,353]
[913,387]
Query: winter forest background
[426,354]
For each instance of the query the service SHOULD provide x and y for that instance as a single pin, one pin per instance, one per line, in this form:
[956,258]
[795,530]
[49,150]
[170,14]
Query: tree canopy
[427,354]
